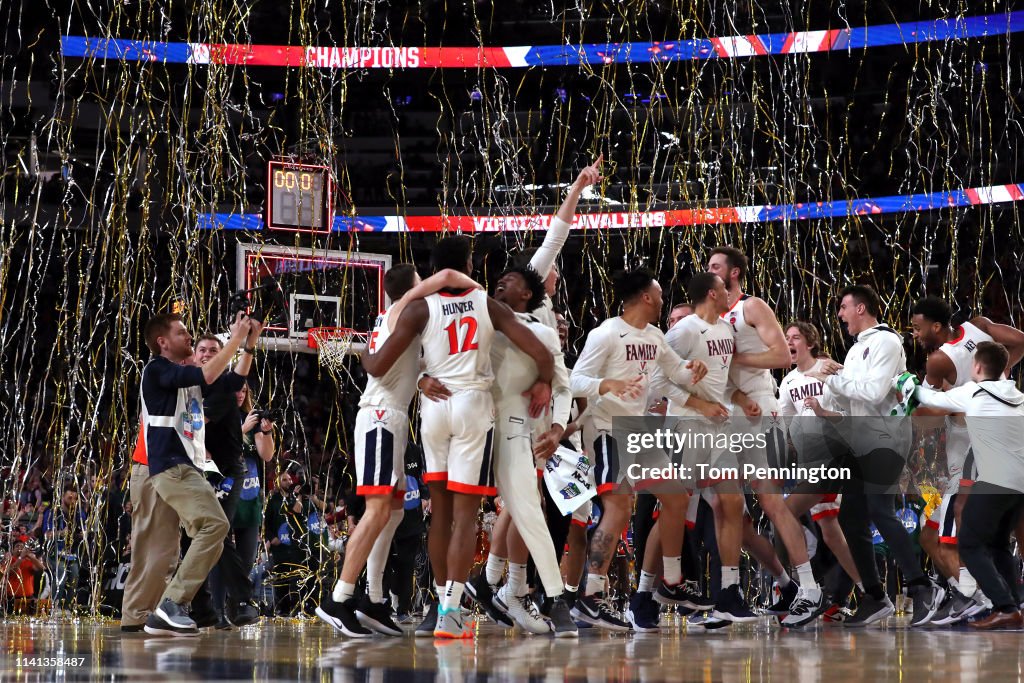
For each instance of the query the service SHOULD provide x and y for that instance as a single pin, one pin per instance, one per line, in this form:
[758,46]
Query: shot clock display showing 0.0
[299,197]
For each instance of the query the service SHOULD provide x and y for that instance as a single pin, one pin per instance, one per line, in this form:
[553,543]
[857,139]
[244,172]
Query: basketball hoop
[332,344]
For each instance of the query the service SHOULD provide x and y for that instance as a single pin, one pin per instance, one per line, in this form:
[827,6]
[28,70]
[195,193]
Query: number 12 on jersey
[468,341]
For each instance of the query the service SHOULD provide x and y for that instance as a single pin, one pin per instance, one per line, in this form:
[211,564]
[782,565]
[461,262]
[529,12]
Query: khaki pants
[184,489]
[155,549]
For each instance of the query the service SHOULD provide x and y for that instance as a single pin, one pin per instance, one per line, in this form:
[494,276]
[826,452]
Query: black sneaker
[429,623]
[786,597]
[376,616]
[483,594]
[643,613]
[595,610]
[223,624]
[243,614]
[205,617]
[341,616]
[170,619]
[870,610]
[686,594]
[558,611]
[132,628]
[731,607]
[927,600]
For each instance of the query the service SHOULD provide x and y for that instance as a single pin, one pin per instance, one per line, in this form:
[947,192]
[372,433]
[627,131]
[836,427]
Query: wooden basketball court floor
[292,650]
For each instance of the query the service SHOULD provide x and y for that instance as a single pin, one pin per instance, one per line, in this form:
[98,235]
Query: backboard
[305,288]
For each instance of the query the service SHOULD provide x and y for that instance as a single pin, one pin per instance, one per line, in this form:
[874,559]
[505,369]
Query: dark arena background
[877,143]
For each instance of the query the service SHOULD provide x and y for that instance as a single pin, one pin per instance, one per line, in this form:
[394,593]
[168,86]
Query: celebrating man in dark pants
[995,420]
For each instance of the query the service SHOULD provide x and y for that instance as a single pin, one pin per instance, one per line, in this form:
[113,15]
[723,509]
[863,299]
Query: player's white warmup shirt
[382,423]
[694,339]
[457,433]
[617,350]
[515,372]
[807,430]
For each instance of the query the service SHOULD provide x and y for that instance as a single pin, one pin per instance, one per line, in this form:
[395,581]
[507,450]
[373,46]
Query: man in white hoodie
[995,421]
[879,445]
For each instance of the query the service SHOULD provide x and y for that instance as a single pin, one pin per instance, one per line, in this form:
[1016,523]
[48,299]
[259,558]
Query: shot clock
[300,197]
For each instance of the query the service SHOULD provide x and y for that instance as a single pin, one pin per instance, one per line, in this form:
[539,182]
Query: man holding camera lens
[224,443]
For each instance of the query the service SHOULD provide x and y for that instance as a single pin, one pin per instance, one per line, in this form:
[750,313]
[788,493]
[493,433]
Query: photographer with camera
[258,448]
[63,527]
[224,443]
[285,527]
[20,567]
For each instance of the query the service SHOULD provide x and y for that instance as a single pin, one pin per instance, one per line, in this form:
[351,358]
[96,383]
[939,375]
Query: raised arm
[761,317]
[442,279]
[1010,337]
[218,364]
[558,232]
[410,325]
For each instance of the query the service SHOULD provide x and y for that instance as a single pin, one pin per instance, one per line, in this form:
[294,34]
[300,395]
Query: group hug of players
[497,399]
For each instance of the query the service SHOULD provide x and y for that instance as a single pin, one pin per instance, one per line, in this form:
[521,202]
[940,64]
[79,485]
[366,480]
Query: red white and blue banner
[728,47]
[618,220]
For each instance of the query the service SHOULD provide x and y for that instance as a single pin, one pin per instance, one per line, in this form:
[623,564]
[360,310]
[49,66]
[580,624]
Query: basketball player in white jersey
[949,365]
[613,373]
[703,336]
[809,404]
[381,435]
[543,258]
[457,328]
[760,347]
[515,473]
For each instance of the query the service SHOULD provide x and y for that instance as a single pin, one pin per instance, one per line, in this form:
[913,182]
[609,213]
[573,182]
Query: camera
[272,415]
[261,302]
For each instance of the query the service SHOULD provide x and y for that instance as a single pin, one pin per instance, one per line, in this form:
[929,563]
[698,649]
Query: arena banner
[524,56]
[975,196]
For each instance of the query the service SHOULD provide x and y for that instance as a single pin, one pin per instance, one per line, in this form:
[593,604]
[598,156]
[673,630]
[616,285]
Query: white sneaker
[523,611]
[806,607]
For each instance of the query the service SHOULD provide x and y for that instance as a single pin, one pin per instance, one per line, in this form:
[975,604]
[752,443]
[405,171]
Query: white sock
[860,586]
[343,591]
[806,576]
[439,587]
[672,571]
[783,579]
[596,583]
[495,568]
[517,579]
[572,589]
[452,596]
[378,557]
[730,576]
[954,584]
[967,583]
[646,582]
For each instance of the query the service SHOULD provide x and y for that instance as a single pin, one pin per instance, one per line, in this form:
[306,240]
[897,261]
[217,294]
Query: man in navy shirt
[174,432]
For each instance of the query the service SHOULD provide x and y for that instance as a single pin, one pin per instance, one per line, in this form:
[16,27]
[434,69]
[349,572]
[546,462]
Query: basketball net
[332,344]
